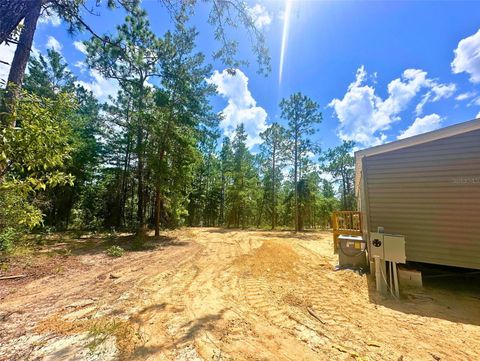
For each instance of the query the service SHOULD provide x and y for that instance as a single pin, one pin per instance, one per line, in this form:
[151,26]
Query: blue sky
[379,70]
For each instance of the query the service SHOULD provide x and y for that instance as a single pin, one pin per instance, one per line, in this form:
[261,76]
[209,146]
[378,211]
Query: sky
[380,71]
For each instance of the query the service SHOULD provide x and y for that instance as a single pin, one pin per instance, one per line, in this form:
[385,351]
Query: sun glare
[286,26]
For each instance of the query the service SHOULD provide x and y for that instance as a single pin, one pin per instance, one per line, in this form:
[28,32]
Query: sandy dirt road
[214,294]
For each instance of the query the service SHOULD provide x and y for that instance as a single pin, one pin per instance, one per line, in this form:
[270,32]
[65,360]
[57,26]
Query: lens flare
[286,26]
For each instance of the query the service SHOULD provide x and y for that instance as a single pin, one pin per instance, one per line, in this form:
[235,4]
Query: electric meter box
[377,245]
[389,247]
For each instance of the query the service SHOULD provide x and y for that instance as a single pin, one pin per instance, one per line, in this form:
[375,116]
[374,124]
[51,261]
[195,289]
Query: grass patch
[98,331]
[115,251]
[102,329]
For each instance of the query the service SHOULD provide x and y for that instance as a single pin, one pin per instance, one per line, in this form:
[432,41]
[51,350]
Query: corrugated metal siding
[431,194]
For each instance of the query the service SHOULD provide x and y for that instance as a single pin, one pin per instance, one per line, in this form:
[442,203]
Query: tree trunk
[295,181]
[260,213]
[17,69]
[22,53]
[222,202]
[274,205]
[20,60]
[11,14]
[157,211]
[350,206]
[344,193]
[141,188]
[124,190]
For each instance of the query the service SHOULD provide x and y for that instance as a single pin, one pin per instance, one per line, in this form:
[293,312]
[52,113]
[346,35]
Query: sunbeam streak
[286,26]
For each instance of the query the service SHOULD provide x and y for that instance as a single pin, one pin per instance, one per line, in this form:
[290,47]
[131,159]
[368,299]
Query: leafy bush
[115,251]
[32,155]
[7,239]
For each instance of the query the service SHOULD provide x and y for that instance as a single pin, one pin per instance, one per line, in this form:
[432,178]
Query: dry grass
[97,329]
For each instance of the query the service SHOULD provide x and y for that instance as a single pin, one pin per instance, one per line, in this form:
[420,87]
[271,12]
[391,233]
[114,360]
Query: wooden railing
[345,222]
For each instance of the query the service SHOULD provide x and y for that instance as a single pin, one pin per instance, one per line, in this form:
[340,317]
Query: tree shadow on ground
[91,244]
[205,323]
[138,318]
[277,233]
[455,298]
[191,329]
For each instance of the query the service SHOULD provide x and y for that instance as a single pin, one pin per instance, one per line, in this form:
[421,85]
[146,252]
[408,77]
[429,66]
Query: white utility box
[387,250]
[394,248]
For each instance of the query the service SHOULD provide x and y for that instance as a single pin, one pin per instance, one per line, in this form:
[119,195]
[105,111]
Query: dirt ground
[215,294]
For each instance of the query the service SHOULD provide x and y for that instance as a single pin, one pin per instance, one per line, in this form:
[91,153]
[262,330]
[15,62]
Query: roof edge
[449,131]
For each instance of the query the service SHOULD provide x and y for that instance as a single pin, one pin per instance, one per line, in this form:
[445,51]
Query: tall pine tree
[302,114]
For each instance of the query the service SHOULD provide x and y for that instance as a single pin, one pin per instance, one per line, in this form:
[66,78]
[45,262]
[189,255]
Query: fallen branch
[12,277]
[307,326]
[312,312]
[344,350]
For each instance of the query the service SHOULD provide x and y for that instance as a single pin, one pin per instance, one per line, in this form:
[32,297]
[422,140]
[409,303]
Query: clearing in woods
[215,294]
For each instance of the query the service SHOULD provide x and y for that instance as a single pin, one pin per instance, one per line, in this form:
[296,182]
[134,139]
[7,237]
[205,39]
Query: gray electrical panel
[389,247]
[394,248]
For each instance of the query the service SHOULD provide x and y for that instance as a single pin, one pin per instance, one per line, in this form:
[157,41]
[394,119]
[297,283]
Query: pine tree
[302,114]
[226,169]
[243,192]
[273,155]
[131,57]
[340,163]
[186,115]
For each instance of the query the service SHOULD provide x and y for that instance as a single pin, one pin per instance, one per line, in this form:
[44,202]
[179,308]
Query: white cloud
[478,115]
[54,44]
[260,16]
[467,57]
[438,91]
[50,19]
[442,91]
[402,90]
[80,47]
[422,125]
[241,107]
[34,51]
[101,87]
[425,99]
[81,65]
[475,101]
[327,176]
[465,96]
[364,116]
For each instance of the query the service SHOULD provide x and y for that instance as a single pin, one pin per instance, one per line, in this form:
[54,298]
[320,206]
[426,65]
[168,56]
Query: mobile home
[426,188]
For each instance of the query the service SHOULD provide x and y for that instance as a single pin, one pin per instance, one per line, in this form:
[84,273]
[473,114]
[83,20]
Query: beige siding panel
[431,194]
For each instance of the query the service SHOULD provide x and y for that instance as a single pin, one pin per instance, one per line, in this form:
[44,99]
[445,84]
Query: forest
[152,157]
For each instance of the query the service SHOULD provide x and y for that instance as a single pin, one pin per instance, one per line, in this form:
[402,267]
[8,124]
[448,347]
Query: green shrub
[115,251]
[7,239]
[32,157]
